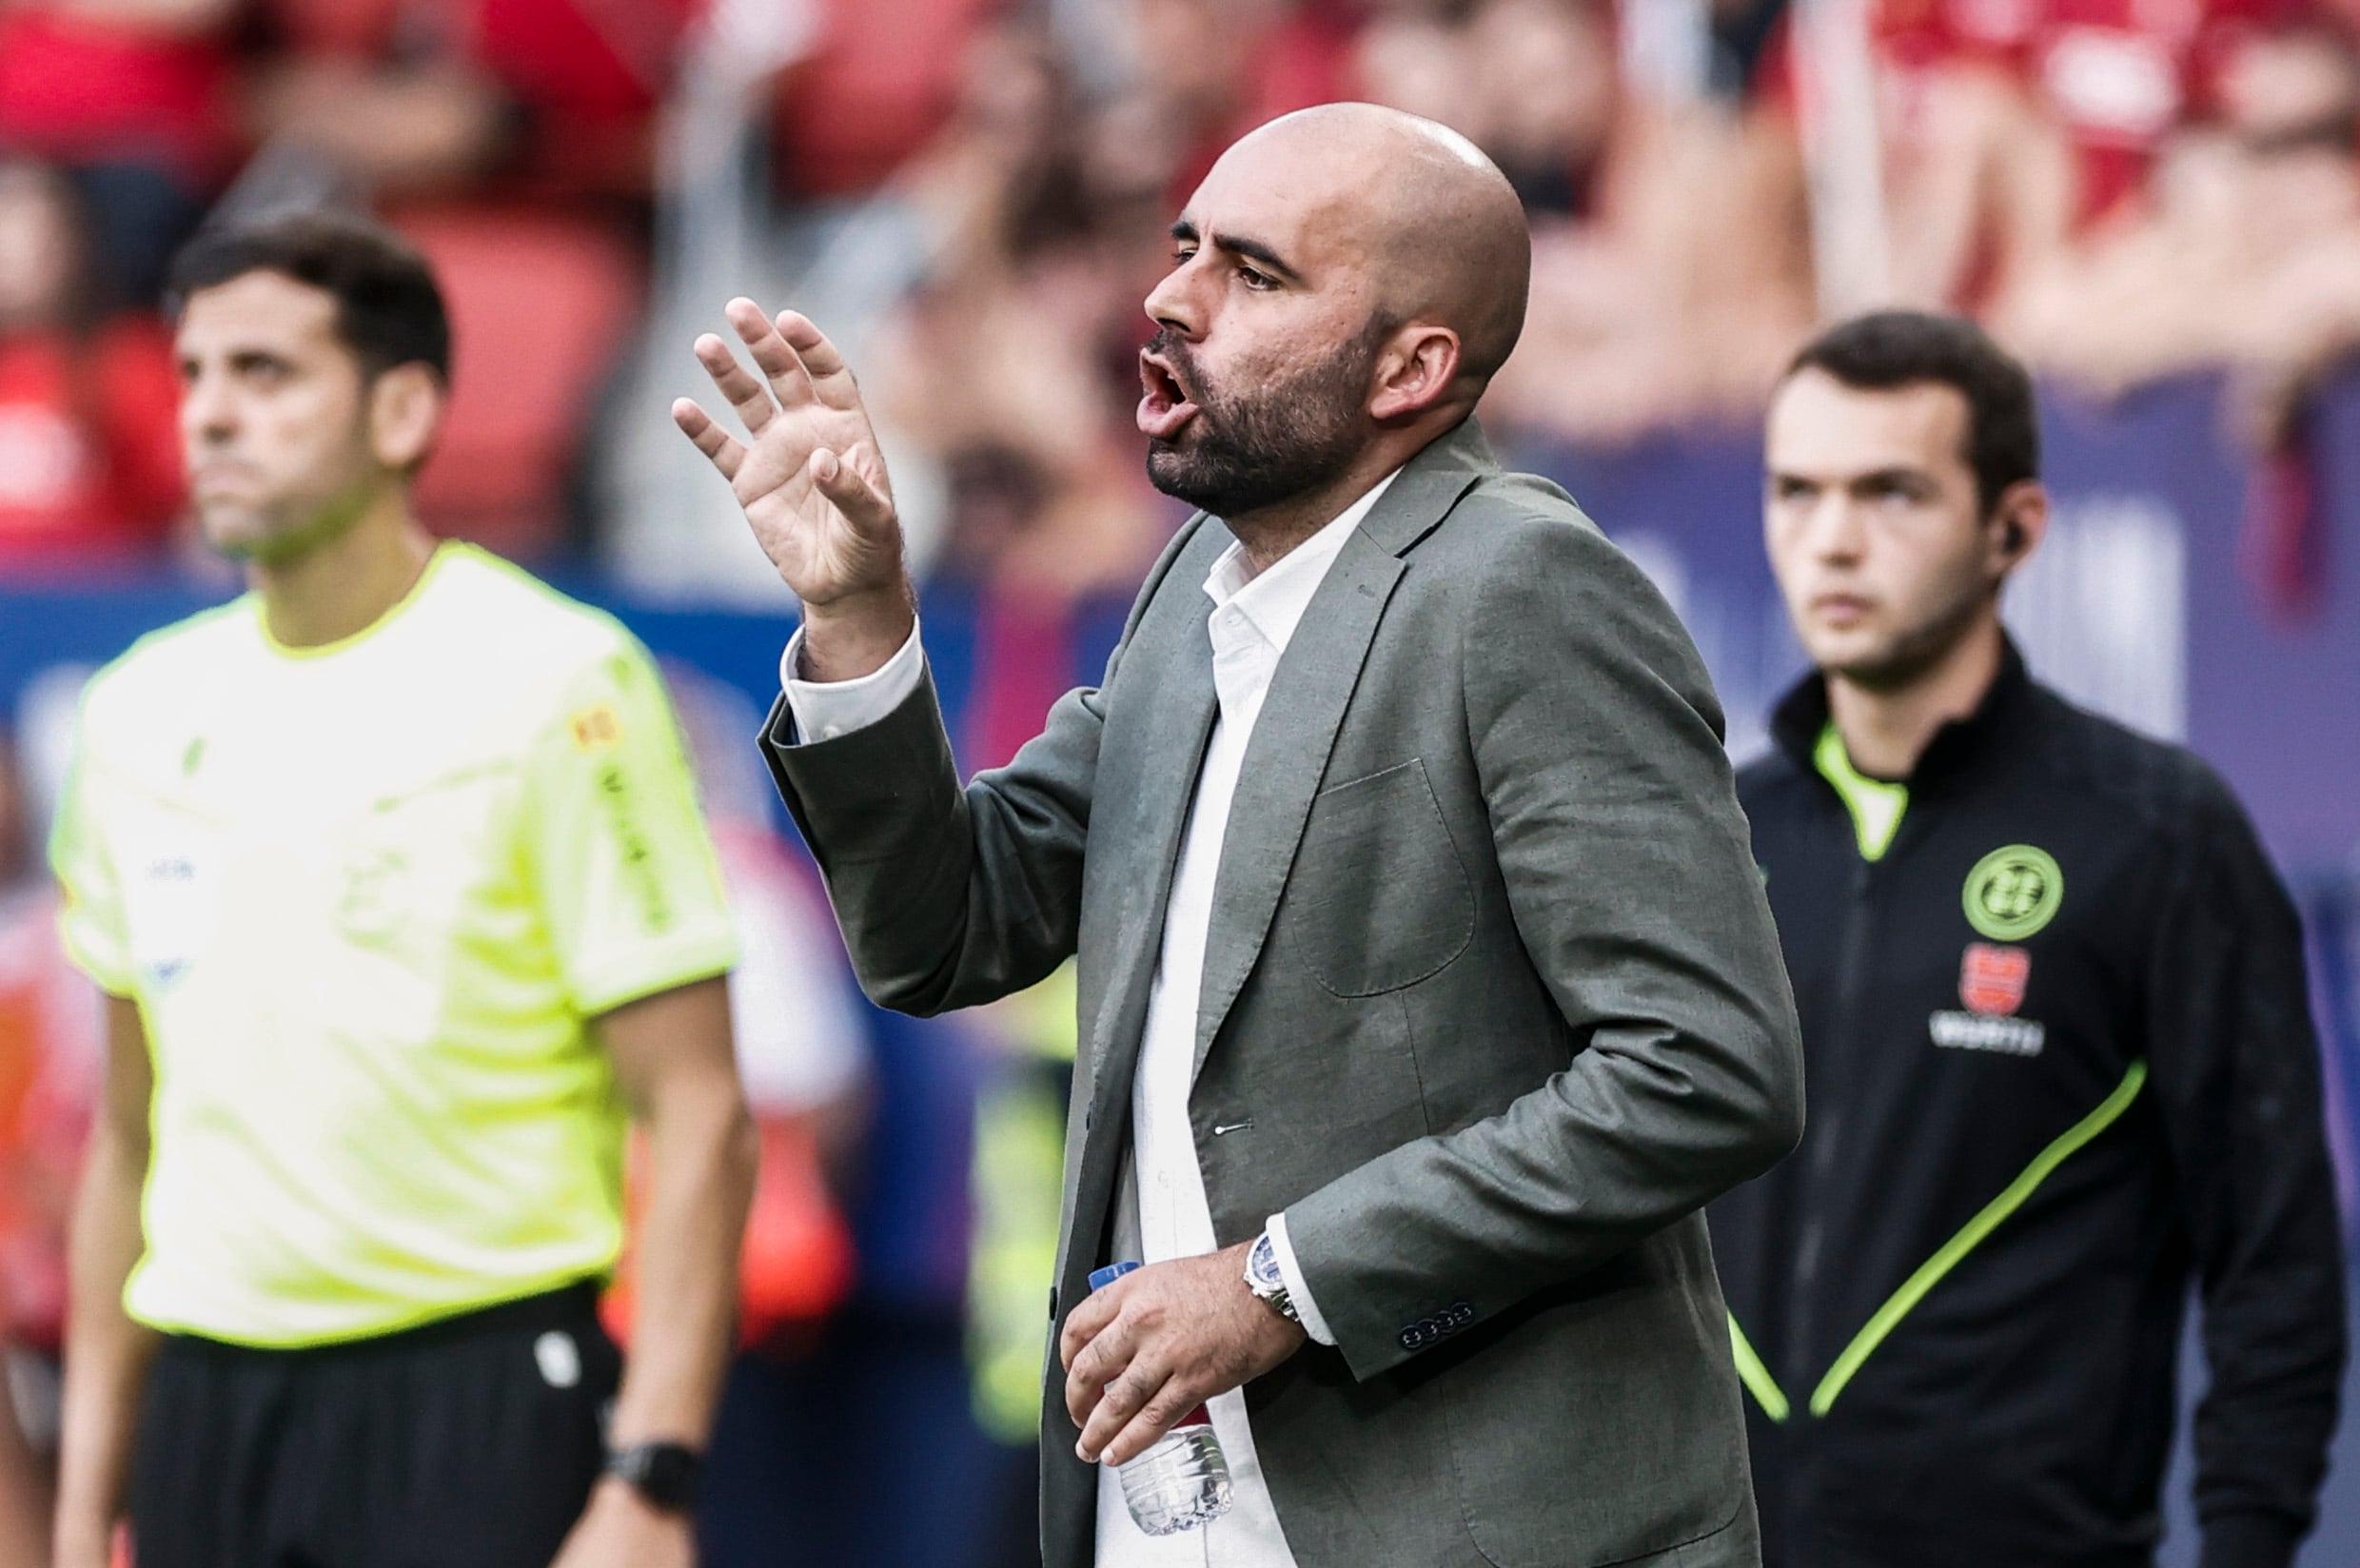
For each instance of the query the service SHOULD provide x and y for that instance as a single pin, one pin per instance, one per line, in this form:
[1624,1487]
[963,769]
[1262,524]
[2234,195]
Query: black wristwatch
[663,1473]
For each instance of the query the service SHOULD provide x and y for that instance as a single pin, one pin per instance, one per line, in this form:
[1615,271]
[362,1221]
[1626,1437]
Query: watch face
[1262,1262]
[664,1473]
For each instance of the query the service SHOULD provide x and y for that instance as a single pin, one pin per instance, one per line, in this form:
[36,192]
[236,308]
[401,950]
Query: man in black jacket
[2055,1035]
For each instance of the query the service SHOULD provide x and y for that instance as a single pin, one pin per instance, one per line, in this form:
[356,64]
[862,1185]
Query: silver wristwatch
[1265,1278]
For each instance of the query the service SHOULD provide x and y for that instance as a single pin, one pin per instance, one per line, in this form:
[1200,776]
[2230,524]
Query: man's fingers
[855,496]
[1081,1399]
[753,403]
[788,379]
[710,439]
[1089,1314]
[1091,1366]
[1123,1401]
[1154,1419]
[831,376]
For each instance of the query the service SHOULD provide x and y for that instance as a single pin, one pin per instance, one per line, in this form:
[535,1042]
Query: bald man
[1426,984]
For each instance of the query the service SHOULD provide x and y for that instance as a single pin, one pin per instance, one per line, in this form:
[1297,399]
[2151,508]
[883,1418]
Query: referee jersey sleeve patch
[596,728]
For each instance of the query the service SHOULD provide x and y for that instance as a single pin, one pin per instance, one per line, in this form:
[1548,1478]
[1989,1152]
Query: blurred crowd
[976,193]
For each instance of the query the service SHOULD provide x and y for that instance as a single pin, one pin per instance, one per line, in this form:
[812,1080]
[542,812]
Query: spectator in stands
[2123,76]
[1213,70]
[1670,276]
[556,99]
[384,95]
[863,101]
[90,466]
[1042,252]
[1979,173]
[513,142]
[1548,91]
[130,95]
[2260,206]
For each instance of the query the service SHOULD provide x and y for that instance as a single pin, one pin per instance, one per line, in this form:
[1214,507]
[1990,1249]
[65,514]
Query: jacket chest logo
[1991,986]
[2013,892]
[1992,979]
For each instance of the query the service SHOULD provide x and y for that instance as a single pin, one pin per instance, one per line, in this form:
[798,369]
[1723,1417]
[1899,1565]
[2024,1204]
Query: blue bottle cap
[1101,1278]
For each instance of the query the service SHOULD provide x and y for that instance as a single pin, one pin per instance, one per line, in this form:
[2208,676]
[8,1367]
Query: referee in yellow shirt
[393,871]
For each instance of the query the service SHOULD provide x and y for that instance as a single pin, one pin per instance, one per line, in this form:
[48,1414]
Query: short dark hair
[388,309]
[1888,349]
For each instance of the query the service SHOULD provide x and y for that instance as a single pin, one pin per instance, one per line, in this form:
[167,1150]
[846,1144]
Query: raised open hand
[810,476]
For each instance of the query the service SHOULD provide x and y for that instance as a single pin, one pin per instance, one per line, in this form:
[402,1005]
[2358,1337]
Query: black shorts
[471,1443]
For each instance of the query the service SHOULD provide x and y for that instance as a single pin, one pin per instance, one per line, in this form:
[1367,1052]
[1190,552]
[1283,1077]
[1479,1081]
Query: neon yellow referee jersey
[368,898]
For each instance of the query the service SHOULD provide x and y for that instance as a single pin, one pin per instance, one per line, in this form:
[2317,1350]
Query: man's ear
[1416,370]
[405,412]
[2019,523]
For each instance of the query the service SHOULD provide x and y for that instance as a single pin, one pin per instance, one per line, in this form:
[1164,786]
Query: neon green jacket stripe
[1754,1376]
[1970,1235]
[1899,1305]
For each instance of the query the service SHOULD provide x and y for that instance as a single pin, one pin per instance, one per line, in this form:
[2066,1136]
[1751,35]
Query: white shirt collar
[1274,599]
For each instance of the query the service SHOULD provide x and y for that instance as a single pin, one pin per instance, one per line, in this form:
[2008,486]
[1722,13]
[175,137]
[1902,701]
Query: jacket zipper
[1842,1041]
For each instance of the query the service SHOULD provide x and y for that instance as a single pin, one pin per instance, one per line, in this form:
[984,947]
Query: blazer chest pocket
[1378,893]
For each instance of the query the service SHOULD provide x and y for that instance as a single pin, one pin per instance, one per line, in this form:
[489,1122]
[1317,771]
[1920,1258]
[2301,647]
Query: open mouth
[1164,404]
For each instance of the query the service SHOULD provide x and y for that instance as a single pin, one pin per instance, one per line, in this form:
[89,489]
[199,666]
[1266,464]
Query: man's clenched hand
[1142,1352]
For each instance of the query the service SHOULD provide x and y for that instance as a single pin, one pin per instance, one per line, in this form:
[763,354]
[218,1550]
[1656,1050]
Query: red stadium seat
[541,304]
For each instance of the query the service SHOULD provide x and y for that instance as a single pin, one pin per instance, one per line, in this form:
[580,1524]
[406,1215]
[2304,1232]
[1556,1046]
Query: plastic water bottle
[1183,1480]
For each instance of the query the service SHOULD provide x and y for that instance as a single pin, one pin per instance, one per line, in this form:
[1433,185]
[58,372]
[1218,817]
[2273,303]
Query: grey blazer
[1492,1004]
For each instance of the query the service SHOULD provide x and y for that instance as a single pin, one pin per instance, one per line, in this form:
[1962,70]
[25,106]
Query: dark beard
[1285,438]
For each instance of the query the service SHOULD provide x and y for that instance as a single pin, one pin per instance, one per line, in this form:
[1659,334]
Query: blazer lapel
[1149,762]
[1179,698]
[1287,756]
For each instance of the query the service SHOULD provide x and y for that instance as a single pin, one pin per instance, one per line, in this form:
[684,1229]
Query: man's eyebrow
[1892,475]
[1238,244]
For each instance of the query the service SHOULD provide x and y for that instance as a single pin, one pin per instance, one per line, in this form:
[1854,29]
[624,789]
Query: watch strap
[666,1474]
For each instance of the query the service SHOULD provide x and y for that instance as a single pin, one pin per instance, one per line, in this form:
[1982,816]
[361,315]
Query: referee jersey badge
[596,728]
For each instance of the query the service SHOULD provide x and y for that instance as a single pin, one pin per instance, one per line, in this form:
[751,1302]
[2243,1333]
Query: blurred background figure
[2154,203]
[381,1012]
[22,1500]
[2258,203]
[800,1031]
[90,463]
[134,99]
[49,1025]
[959,176]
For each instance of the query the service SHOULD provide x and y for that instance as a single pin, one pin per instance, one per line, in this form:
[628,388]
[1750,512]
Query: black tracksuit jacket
[2060,1064]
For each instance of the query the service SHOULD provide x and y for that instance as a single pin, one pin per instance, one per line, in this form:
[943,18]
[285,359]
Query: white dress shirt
[1253,619]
